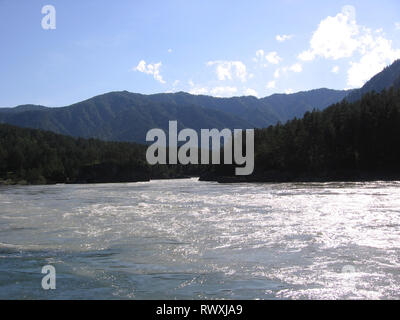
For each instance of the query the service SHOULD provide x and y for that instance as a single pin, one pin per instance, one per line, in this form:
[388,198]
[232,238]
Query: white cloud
[341,37]
[334,37]
[376,57]
[153,69]
[176,82]
[267,58]
[259,56]
[397,25]
[198,91]
[335,69]
[271,84]
[227,70]
[284,37]
[224,91]
[250,92]
[306,55]
[297,67]
[273,58]
[169,50]
[289,91]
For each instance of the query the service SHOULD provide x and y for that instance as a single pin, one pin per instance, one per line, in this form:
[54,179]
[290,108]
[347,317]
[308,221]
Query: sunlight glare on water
[187,239]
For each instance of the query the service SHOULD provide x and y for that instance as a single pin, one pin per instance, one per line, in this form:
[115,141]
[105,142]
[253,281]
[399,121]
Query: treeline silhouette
[31,156]
[346,141]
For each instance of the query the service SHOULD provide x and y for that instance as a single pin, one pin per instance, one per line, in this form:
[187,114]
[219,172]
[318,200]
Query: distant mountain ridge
[115,117]
[289,106]
[126,116]
[264,111]
[23,108]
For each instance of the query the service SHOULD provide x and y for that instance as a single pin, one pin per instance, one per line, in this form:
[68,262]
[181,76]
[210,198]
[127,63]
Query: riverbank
[22,182]
[272,177]
[287,177]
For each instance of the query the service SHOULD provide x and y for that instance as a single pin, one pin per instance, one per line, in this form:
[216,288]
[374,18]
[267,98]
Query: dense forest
[30,156]
[347,141]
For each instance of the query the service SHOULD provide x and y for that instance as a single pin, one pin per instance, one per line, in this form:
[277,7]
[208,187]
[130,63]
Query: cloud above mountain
[153,69]
[229,70]
[341,37]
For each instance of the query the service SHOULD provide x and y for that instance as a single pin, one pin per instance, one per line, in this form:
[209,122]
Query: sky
[221,48]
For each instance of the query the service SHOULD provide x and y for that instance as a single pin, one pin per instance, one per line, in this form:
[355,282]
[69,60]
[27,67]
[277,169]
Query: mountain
[22,108]
[247,108]
[120,116]
[289,106]
[260,112]
[126,116]
[347,140]
[390,76]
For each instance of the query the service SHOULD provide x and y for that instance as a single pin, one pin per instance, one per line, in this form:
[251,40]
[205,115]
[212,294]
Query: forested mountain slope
[347,141]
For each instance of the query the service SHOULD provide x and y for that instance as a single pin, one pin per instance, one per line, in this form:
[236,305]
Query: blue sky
[218,47]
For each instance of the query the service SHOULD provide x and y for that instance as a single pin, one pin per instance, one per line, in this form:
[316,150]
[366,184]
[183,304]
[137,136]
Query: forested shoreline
[32,156]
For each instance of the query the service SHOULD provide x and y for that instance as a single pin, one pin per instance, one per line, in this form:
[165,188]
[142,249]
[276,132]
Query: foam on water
[189,239]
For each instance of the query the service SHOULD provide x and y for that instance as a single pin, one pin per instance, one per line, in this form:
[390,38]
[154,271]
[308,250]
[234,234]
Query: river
[185,239]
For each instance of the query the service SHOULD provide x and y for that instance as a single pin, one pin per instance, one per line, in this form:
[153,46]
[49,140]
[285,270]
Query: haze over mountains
[126,116]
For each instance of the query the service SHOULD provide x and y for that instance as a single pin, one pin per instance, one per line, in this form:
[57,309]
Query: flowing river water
[185,239]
